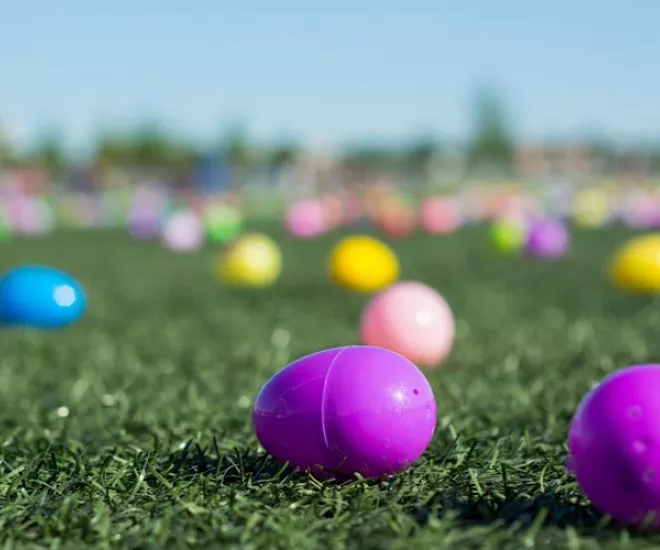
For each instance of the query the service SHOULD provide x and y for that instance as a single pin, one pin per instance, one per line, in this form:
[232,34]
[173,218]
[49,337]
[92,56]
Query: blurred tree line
[490,148]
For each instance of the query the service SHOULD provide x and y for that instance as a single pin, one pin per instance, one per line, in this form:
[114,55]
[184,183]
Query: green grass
[132,429]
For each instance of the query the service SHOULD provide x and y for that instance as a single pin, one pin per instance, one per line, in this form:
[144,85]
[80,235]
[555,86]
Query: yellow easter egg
[363,264]
[253,260]
[636,266]
[591,209]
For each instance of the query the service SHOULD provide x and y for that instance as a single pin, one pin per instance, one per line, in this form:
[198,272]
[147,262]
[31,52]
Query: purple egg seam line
[324,395]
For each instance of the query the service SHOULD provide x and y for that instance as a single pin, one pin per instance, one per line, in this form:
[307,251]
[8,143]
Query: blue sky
[360,69]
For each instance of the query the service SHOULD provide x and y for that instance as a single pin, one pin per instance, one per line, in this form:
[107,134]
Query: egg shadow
[513,510]
[235,467]
[547,509]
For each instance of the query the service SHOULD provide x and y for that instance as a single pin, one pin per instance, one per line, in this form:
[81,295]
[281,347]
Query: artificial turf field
[132,429]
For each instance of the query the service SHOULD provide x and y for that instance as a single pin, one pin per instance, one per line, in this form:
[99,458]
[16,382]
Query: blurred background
[138,108]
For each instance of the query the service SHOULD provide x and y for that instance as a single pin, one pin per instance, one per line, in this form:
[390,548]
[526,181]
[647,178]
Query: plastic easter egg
[305,219]
[547,239]
[342,411]
[411,319]
[253,260]
[614,445]
[363,264]
[637,210]
[592,209]
[144,221]
[636,266]
[439,216]
[40,297]
[33,217]
[183,232]
[223,222]
[396,219]
[508,236]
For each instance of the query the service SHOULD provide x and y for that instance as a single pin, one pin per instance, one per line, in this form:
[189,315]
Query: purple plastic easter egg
[144,222]
[547,239]
[348,410]
[614,445]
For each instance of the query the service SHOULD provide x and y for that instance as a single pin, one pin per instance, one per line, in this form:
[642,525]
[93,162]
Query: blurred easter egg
[33,217]
[411,319]
[144,221]
[363,264]
[305,219]
[396,220]
[183,232]
[40,297]
[439,216]
[547,239]
[223,222]
[508,236]
[591,209]
[253,260]
[635,267]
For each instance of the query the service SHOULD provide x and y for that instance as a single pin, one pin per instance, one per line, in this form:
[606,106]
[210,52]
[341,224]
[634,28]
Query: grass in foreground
[132,430]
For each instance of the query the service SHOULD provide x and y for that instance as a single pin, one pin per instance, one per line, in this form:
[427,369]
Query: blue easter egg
[40,297]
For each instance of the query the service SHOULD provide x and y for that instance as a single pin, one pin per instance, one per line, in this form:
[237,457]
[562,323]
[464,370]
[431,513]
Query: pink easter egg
[183,232]
[439,216]
[411,319]
[305,219]
[32,217]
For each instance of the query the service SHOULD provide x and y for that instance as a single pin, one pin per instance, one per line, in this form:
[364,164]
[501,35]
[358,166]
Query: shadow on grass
[230,468]
[239,466]
[245,466]
[545,509]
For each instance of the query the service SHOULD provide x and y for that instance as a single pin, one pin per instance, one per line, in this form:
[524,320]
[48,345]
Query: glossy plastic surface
[363,264]
[636,266]
[183,232]
[412,319]
[40,297]
[614,445]
[439,216]
[306,219]
[356,409]
[144,222]
[253,260]
[547,239]
[223,223]
[508,236]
